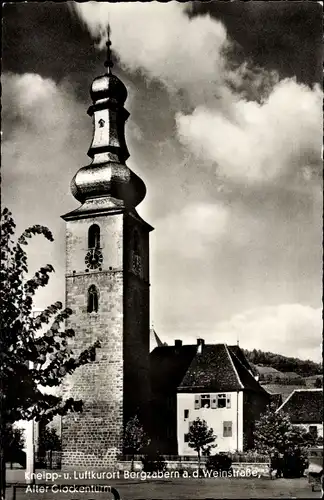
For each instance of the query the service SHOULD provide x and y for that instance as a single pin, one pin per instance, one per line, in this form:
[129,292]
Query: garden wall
[247,468]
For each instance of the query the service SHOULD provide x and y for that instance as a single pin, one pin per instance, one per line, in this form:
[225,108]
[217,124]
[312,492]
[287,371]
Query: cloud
[279,138]
[289,329]
[43,129]
[252,126]
[160,40]
[189,232]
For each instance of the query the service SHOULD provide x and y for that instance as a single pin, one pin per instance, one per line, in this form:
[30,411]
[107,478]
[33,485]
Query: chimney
[178,343]
[200,345]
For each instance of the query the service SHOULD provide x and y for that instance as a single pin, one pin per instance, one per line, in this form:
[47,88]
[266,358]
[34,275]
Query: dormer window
[92,299]
[94,236]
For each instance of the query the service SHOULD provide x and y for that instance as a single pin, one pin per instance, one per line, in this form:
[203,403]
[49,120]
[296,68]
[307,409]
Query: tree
[49,440]
[13,444]
[201,438]
[135,438]
[34,351]
[275,433]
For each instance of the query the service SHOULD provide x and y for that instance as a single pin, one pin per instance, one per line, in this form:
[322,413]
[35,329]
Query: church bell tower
[107,287]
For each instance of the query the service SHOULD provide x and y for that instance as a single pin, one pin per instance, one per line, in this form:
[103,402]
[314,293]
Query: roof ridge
[249,372]
[286,400]
[309,389]
[235,371]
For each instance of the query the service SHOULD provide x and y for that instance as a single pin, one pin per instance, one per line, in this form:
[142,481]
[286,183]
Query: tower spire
[108,63]
[108,177]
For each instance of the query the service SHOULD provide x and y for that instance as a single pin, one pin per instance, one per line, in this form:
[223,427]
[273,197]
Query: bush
[153,462]
[293,465]
[219,463]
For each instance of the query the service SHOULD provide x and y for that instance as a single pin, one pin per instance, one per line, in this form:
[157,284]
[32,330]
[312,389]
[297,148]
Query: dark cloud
[284,36]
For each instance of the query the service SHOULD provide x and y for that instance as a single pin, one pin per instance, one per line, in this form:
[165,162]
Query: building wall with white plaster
[215,418]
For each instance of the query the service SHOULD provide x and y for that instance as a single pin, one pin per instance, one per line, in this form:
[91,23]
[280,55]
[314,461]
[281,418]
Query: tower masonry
[107,288]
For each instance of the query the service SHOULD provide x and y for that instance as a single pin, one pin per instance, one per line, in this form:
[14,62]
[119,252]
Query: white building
[213,382]
[223,412]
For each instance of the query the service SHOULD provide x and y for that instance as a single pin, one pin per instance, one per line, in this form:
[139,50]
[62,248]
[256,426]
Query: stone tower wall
[94,437]
[136,326]
[114,387]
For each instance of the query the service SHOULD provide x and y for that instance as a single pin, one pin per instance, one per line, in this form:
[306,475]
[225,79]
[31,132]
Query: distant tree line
[283,363]
[281,380]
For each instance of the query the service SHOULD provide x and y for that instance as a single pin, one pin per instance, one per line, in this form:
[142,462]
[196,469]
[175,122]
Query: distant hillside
[284,390]
[282,363]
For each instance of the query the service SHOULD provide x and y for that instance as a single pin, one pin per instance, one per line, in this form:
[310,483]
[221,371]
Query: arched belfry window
[92,299]
[94,236]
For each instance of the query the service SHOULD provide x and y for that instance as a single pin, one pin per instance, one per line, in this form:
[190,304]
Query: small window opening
[92,299]
[94,236]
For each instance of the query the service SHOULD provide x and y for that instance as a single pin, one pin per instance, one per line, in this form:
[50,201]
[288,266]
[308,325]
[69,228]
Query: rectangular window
[213,401]
[221,401]
[205,401]
[186,414]
[227,429]
[228,401]
[186,438]
[197,402]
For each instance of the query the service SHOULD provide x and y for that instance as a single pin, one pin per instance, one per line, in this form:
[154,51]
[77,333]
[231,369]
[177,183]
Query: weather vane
[108,63]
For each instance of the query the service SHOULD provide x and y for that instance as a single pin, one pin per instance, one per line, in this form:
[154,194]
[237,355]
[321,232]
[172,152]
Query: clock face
[93,258]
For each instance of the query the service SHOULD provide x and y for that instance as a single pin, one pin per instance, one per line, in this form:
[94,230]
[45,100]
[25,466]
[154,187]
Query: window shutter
[197,402]
[213,403]
[228,401]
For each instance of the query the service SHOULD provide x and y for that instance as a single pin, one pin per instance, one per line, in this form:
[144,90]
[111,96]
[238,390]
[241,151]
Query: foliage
[294,464]
[153,461]
[34,351]
[201,438]
[219,462]
[135,438]
[275,433]
[318,383]
[49,440]
[283,363]
[13,444]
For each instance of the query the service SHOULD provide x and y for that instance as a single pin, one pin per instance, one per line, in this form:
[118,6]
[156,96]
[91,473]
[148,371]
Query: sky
[226,132]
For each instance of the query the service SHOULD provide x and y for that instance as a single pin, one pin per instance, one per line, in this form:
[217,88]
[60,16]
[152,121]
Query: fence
[237,457]
[53,459]
[48,460]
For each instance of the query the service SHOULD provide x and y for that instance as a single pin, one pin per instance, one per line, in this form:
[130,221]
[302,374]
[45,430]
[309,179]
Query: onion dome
[108,176]
[108,87]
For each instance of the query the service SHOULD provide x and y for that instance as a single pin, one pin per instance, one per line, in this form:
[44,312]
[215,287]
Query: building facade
[305,409]
[223,412]
[107,288]
[212,382]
